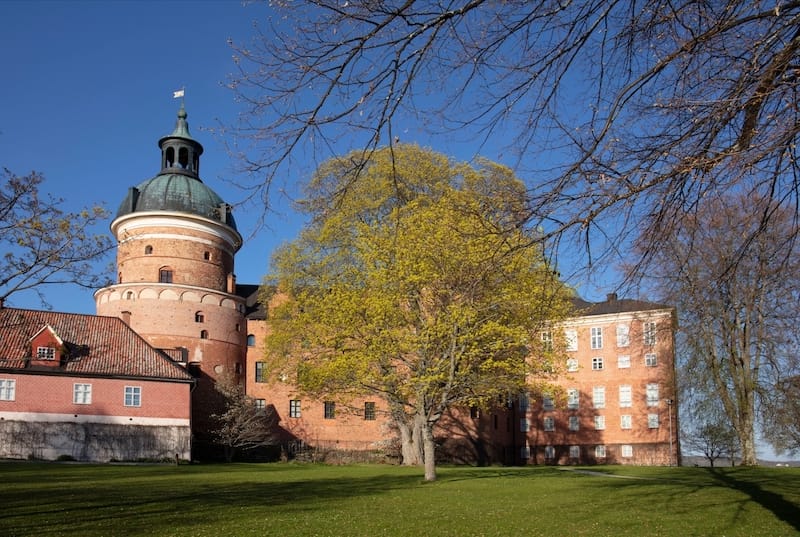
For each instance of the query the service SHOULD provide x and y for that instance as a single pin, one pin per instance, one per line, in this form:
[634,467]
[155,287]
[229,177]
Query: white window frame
[623,361]
[651,359]
[574,452]
[599,423]
[46,353]
[547,340]
[571,339]
[598,364]
[651,394]
[596,333]
[295,408]
[524,402]
[649,333]
[549,452]
[132,396]
[623,335]
[573,398]
[625,421]
[572,365]
[626,450]
[599,396]
[549,424]
[652,421]
[82,393]
[8,389]
[600,451]
[625,396]
[574,423]
[547,402]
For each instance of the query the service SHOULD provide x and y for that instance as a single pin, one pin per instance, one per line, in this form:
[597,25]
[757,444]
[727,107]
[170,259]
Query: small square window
[45,353]
[597,364]
[165,276]
[369,411]
[261,404]
[650,360]
[82,394]
[294,408]
[8,389]
[133,396]
[330,410]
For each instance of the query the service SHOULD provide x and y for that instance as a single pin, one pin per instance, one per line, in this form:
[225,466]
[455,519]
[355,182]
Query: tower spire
[180,153]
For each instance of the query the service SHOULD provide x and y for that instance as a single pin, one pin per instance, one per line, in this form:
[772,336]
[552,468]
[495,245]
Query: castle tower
[175,270]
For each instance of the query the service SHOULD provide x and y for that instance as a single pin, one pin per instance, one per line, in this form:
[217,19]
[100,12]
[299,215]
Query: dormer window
[45,353]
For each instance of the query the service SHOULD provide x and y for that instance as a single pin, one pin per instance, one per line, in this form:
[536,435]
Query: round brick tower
[175,281]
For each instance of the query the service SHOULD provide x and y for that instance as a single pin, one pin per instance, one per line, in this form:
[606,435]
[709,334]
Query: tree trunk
[410,445]
[429,452]
[747,440]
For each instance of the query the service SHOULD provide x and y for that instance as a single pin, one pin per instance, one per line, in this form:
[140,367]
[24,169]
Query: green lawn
[45,499]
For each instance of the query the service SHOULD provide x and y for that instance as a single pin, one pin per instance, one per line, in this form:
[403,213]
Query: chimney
[611,297]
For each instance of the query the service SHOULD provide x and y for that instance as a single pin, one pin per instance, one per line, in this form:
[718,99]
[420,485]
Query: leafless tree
[713,440]
[621,114]
[43,244]
[243,425]
[783,430]
[731,272]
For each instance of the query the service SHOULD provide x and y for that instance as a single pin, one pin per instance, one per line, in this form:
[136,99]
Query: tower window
[129,295]
[206,255]
[251,340]
[148,250]
[165,275]
[203,334]
[170,157]
[199,317]
[183,158]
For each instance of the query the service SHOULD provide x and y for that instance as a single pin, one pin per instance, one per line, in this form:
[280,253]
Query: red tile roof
[95,345]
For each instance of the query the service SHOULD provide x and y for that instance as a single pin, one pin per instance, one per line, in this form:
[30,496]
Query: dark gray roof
[612,304]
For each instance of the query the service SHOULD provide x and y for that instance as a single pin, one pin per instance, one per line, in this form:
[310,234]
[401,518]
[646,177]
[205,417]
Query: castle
[177,298]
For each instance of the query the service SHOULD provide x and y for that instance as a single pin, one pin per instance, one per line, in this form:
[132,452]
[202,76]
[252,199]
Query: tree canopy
[419,283]
[620,115]
[43,244]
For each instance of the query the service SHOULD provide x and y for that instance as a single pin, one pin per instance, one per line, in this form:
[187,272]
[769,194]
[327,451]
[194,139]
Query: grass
[48,499]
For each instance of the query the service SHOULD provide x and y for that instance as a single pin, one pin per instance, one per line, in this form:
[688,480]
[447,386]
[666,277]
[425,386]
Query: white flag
[176,94]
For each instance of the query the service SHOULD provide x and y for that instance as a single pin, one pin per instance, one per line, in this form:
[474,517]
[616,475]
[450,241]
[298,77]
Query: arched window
[148,250]
[165,275]
[129,295]
[203,334]
[199,317]
[251,340]
[170,158]
[183,157]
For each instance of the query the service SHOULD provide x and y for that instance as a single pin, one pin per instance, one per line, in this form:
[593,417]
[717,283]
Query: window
[148,250]
[547,340]
[650,360]
[206,255]
[82,394]
[652,395]
[369,411]
[571,339]
[573,398]
[261,405]
[574,452]
[649,331]
[600,452]
[652,421]
[8,388]
[599,422]
[133,396]
[549,423]
[330,410]
[251,340]
[524,402]
[549,452]
[599,397]
[199,317]
[623,362]
[623,335]
[572,365]
[627,451]
[597,337]
[294,408]
[129,295]
[203,334]
[524,425]
[625,396]
[574,423]
[45,353]
[261,372]
[625,421]
[165,275]
[597,364]
[547,402]
[525,452]
[474,412]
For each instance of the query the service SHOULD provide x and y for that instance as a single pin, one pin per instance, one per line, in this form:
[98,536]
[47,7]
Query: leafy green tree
[418,283]
[43,244]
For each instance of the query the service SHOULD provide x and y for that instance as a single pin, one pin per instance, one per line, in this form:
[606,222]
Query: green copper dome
[178,187]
